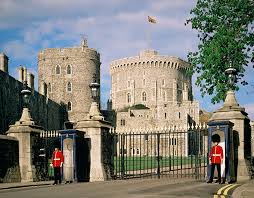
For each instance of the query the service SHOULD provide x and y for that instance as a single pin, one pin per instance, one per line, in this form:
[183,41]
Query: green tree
[226,37]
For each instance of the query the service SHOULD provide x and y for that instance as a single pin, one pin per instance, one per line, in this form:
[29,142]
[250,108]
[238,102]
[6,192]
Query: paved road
[139,188]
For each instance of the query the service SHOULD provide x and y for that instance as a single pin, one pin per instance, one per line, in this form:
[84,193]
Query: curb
[245,190]
[23,186]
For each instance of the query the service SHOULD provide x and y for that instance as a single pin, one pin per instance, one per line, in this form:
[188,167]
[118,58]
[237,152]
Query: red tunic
[57,158]
[216,154]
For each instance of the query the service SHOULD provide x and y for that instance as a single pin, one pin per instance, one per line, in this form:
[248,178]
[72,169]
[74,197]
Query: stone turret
[30,80]
[67,73]
[4,62]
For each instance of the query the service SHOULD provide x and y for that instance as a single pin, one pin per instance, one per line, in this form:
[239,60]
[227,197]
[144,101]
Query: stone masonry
[66,73]
[159,83]
[44,111]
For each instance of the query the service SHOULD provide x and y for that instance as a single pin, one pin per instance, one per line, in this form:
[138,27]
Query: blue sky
[116,28]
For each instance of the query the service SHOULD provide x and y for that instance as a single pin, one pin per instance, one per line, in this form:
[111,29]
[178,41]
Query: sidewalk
[4,186]
[244,191]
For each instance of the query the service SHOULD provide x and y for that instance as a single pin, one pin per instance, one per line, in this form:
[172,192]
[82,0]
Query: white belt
[57,159]
[215,155]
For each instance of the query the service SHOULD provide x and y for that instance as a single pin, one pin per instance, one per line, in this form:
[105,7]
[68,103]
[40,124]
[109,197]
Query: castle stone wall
[44,111]
[9,157]
[158,82]
[84,63]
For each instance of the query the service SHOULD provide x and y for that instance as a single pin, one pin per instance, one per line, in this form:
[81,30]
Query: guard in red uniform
[57,162]
[216,159]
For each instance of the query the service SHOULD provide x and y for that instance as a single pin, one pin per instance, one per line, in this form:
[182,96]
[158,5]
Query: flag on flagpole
[151,19]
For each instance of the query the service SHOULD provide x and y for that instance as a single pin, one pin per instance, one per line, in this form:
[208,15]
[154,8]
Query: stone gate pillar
[97,130]
[231,111]
[27,133]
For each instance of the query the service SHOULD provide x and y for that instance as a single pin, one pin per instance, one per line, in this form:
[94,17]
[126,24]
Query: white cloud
[160,5]
[19,50]
[15,13]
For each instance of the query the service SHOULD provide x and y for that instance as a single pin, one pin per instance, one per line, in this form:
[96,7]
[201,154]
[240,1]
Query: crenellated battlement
[149,59]
[68,53]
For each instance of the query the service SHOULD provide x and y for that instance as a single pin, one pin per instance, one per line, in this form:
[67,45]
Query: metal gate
[171,152]
[43,150]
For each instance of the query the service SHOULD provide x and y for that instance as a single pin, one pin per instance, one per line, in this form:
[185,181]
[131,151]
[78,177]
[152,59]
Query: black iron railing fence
[43,150]
[169,152]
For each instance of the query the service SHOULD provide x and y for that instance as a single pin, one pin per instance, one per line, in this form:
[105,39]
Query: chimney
[4,62]
[25,74]
[21,71]
[30,80]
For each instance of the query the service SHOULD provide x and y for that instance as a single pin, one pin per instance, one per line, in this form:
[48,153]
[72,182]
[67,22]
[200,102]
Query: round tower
[150,79]
[68,73]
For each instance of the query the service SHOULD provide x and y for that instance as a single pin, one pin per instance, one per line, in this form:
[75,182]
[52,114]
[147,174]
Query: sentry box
[224,131]
[76,150]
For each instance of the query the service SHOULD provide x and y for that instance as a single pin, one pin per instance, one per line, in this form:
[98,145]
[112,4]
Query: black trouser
[57,175]
[218,170]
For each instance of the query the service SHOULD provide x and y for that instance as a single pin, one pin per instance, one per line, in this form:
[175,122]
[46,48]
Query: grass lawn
[142,163]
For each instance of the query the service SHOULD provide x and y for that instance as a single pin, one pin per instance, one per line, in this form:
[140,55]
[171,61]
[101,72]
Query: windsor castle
[148,90]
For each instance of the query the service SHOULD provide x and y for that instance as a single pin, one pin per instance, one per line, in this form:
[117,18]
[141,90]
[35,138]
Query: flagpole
[151,21]
[149,38]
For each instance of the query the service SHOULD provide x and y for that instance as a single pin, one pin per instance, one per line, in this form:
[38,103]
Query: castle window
[144,82]
[164,95]
[69,106]
[68,69]
[163,82]
[165,115]
[129,98]
[122,122]
[58,69]
[179,115]
[49,88]
[129,83]
[137,151]
[69,87]
[144,96]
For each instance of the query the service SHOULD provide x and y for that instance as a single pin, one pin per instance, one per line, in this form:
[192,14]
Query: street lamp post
[94,112]
[94,86]
[231,72]
[26,116]
[230,100]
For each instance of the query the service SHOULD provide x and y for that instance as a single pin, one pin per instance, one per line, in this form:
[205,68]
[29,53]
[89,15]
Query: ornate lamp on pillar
[26,116]
[95,129]
[27,133]
[233,112]
[230,100]
[94,112]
